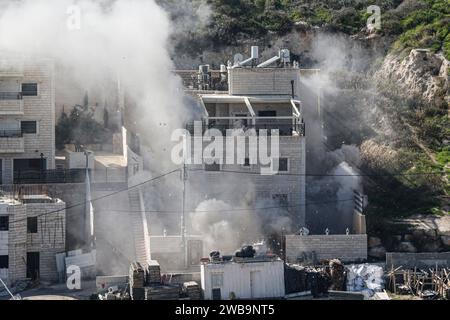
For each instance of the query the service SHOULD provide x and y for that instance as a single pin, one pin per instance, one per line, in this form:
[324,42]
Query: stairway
[138,222]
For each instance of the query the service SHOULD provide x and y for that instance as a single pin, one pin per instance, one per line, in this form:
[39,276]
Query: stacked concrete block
[192,290]
[153,273]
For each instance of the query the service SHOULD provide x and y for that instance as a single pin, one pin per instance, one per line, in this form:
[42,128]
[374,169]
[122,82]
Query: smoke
[227,227]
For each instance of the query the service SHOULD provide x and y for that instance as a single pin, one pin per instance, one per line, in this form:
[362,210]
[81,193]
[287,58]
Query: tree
[79,128]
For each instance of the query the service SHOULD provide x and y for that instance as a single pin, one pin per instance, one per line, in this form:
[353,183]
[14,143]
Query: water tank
[255,52]
[204,68]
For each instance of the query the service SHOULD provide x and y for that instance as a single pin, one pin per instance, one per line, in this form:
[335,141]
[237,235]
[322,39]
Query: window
[281,199]
[247,162]
[216,280]
[28,126]
[212,167]
[4,262]
[283,165]
[32,223]
[29,89]
[4,223]
[267,113]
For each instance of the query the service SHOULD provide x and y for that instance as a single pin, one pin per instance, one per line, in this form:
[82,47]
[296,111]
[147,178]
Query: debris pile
[306,279]
[366,278]
[115,293]
[431,284]
[337,275]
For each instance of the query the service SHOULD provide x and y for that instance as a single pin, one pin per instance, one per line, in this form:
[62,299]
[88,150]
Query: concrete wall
[420,260]
[348,248]
[50,238]
[254,186]
[276,81]
[17,243]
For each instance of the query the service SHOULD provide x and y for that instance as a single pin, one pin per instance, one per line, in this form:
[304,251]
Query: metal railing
[10,95]
[11,133]
[97,176]
[286,127]
[49,176]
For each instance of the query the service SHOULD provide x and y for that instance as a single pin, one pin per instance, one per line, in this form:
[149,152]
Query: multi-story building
[258,97]
[27,116]
[32,232]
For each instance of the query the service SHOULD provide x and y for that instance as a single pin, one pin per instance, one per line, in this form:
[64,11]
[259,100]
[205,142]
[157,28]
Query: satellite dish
[238,58]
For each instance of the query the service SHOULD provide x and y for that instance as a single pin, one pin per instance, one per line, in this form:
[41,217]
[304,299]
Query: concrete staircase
[139,225]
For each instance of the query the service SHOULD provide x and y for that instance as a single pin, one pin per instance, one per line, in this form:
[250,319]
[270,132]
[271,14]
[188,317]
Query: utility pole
[183,216]
[184,176]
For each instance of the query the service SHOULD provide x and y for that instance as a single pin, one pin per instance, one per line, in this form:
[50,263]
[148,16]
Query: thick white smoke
[96,40]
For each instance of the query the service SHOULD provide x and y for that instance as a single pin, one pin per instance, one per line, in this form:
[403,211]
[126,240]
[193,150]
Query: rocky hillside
[394,82]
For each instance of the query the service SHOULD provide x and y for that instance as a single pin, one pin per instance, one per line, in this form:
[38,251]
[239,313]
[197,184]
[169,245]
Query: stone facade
[39,108]
[348,248]
[274,81]
[47,240]
[258,98]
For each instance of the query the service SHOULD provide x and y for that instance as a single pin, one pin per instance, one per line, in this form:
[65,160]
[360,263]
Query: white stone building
[32,232]
[258,98]
[27,116]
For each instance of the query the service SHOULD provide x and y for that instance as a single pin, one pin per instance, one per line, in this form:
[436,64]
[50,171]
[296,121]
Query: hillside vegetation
[417,138]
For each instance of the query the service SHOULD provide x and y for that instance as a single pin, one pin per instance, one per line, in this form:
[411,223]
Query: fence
[286,127]
[106,175]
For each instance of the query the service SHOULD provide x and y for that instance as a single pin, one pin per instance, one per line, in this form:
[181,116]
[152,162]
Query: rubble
[366,278]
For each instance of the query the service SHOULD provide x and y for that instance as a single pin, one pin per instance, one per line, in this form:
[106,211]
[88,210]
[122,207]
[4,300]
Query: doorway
[33,265]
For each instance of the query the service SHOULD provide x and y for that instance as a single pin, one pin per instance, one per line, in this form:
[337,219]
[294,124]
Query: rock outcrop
[422,74]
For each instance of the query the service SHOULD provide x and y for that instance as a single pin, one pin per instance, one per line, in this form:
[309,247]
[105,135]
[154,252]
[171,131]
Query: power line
[326,175]
[102,197]
[233,210]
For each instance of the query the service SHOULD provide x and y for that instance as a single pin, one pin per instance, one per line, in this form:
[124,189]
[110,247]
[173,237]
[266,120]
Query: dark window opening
[281,199]
[4,223]
[29,164]
[28,126]
[29,89]
[212,167]
[216,294]
[283,165]
[32,225]
[4,262]
[247,162]
[267,113]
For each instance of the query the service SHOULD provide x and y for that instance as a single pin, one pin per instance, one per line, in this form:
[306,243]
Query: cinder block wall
[276,81]
[17,243]
[348,248]
[50,238]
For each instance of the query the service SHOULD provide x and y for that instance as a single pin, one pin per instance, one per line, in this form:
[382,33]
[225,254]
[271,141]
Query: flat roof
[227,98]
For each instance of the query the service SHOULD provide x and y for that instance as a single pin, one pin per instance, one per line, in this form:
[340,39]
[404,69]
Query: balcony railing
[286,127]
[49,176]
[11,133]
[98,176]
[10,95]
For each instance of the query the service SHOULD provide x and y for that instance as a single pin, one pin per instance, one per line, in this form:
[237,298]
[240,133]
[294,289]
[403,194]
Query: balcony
[11,141]
[11,103]
[287,126]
